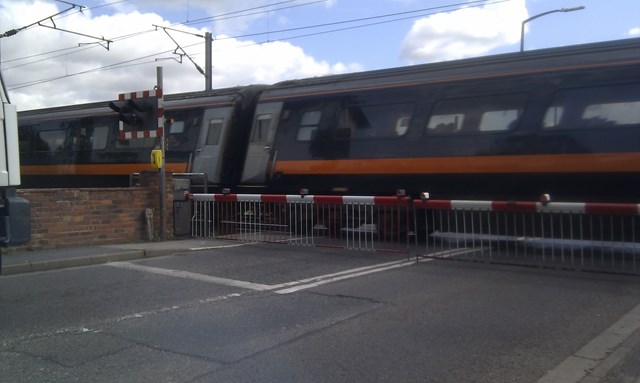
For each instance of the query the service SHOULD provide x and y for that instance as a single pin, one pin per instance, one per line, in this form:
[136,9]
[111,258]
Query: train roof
[616,52]
[176,98]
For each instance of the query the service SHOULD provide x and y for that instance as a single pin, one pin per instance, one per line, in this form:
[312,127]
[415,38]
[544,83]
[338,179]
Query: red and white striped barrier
[531,207]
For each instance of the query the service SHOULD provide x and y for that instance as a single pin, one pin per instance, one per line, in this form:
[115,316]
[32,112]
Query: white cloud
[634,32]
[235,62]
[467,32]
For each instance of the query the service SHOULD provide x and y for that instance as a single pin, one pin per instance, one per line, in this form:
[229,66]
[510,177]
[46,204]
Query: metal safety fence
[351,222]
[579,236]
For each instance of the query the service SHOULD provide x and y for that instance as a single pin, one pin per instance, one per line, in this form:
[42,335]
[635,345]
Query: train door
[260,154]
[210,143]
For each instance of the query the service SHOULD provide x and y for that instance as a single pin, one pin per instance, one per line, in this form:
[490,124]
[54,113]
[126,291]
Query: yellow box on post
[156,158]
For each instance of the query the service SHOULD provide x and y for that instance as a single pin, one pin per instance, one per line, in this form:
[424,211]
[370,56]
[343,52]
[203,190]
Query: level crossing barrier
[602,237]
[350,222]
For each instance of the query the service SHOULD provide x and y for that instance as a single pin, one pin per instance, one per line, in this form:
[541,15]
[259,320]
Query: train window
[177,127]
[90,138]
[478,114]
[308,125]
[552,117]
[50,140]
[100,137]
[402,125]
[597,107]
[24,135]
[261,128]
[494,121]
[445,123]
[376,121]
[215,131]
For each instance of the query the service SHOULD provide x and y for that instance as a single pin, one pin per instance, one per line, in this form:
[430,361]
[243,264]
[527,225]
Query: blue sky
[265,41]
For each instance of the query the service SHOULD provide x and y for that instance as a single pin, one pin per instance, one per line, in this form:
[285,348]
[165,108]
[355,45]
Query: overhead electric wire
[76,49]
[218,17]
[211,18]
[483,2]
[106,67]
[117,65]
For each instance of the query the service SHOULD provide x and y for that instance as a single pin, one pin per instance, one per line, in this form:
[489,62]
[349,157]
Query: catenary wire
[117,65]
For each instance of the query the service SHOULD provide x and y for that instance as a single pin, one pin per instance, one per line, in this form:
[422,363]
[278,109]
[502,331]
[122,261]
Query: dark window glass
[477,114]
[596,107]
[308,125]
[50,140]
[24,136]
[215,131]
[376,121]
[261,128]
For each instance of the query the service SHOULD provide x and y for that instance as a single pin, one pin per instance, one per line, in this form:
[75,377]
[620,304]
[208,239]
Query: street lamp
[544,14]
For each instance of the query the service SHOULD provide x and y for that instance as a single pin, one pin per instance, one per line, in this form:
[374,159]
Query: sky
[266,41]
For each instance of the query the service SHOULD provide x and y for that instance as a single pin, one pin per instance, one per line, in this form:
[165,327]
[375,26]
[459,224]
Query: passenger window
[494,121]
[445,123]
[308,125]
[552,117]
[478,114]
[377,121]
[215,131]
[613,114]
[24,135]
[50,140]
[261,128]
[402,125]
[596,107]
[177,127]
[99,138]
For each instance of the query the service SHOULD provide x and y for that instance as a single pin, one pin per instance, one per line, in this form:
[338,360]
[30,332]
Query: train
[560,121]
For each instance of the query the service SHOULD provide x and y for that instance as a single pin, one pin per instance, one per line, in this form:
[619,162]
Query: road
[275,313]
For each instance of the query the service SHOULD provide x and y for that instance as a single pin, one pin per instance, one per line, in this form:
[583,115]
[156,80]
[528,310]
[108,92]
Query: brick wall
[84,217]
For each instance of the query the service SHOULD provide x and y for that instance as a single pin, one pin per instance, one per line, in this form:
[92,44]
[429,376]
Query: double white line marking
[287,287]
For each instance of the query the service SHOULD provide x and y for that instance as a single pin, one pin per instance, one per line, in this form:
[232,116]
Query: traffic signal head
[140,114]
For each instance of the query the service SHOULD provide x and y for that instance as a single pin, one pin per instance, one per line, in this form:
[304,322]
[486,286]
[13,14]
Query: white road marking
[192,276]
[354,273]
[287,287]
[601,348]
[321,281]
[221,246]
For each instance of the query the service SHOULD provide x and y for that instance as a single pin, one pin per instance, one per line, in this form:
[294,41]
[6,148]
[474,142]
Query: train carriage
[564,121]
[79,145]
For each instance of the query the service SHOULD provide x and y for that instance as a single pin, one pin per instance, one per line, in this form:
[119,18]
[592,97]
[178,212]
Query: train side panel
[79,146]
[565,124]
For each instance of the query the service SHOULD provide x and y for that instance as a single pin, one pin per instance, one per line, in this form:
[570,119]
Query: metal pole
[544,14]
[163,179]
[208,63]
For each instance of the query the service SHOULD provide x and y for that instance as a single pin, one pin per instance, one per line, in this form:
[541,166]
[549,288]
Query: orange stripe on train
[551,163]
[97,169]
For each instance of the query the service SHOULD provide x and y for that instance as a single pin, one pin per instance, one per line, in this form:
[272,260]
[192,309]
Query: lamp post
[544,14]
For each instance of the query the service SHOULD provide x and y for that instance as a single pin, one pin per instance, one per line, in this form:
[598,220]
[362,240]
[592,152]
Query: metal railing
[578,236]
[351,222]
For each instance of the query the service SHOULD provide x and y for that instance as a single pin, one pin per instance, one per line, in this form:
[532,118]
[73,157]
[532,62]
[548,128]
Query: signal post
[141,115]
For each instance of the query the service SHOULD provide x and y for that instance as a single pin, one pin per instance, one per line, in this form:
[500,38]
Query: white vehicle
[15,226]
